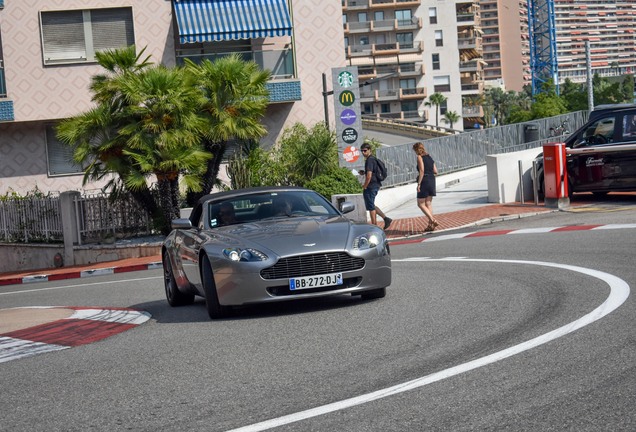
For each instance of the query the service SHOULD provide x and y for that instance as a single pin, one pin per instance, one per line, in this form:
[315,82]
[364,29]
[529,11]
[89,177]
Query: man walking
[371,186]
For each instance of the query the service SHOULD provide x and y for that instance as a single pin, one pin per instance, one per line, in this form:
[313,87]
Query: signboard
[346,97]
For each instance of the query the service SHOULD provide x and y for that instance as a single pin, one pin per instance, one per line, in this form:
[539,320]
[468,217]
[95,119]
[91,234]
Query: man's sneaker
[387,223]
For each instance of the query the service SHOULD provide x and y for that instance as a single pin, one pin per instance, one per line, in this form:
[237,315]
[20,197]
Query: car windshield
[271,205]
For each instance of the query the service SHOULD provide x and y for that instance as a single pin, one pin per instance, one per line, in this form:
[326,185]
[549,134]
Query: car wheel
[173,295]
[374,294]
[215,310]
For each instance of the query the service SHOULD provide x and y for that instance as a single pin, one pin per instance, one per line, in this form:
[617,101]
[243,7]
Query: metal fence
[30,220]
[469,149]
[98,219]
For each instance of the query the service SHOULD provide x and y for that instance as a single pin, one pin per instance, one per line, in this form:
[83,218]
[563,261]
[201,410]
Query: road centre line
[619,292]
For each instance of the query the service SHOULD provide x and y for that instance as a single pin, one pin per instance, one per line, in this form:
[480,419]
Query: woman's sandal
[431,226]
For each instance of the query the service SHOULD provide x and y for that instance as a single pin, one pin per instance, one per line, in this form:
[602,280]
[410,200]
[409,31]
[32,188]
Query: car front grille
[309,265]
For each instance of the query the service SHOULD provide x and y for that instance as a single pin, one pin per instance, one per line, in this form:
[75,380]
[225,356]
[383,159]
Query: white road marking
[619,291]
[80,285]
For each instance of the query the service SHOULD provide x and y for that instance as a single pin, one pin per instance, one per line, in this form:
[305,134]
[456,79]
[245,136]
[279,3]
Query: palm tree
[451,117]
[147,124]
[235,98]
[436,100]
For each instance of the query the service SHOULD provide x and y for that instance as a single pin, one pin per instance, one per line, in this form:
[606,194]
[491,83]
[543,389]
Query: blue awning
[219,20]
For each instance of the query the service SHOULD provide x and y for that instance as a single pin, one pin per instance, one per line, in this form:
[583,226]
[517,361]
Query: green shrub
[338,181]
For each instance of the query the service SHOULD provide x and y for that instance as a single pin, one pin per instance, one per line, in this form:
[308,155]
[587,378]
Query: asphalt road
[524,332]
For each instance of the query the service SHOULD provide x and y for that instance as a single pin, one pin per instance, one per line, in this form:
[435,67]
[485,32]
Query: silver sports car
[272,244]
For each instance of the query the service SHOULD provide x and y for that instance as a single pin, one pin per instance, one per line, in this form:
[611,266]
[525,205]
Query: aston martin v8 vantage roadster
[272,244]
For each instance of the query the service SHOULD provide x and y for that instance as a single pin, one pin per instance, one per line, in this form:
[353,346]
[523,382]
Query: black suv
[607,161]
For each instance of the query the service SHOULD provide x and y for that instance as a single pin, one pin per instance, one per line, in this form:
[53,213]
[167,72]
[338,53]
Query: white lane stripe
[614,226]
[13,349]
[533,230]
[80,285]
[619,291]
[112,315]
[447,237]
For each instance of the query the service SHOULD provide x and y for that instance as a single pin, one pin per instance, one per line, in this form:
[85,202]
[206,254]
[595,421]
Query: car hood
[293,235]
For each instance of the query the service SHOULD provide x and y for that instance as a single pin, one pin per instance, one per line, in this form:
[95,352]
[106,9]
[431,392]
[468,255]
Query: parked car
[272,244]
[604,156]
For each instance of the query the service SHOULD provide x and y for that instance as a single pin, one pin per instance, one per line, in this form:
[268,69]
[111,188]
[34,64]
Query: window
[439,38]
[385,108]
[59,155]
[432,15]
[441,84]
[405,40]
[75,36]
[362,17]
[403,17]
[367,108]
[436,65]
[443,107]
[364,40]
[344,18]
[409,106]
[378,16]
[407,83]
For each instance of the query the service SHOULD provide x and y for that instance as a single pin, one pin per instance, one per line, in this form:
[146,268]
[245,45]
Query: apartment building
[609,26]
[506,43]
[47,60]
[410,49]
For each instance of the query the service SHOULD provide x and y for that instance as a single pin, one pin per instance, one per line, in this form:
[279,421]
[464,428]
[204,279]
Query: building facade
[506,43]
[47,60]
[410,49]
[609,26]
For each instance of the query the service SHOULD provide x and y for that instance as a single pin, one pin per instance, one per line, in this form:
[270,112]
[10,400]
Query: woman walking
[427,171]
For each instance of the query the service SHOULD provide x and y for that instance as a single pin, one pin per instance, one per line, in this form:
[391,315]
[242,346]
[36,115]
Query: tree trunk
[217,149]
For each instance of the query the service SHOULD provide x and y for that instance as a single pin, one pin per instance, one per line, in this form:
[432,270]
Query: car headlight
[249,254]
[367,241]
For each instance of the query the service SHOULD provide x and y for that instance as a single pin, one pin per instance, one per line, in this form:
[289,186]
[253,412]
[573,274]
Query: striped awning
[220,20]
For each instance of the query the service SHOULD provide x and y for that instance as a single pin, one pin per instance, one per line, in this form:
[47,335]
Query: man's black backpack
[380,172]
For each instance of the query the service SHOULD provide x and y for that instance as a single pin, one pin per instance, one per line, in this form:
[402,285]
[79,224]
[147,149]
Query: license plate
[318,281]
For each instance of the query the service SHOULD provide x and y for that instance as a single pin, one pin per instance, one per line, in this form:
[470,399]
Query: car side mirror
[347,207]
[181,223]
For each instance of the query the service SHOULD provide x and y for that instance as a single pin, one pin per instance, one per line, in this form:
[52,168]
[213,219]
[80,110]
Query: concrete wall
[26,257]
[503,176]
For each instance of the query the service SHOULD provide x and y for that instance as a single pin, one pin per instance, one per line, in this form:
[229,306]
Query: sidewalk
[401,228]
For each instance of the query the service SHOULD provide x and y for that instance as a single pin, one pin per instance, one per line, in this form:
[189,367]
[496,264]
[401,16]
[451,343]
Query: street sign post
[346,96]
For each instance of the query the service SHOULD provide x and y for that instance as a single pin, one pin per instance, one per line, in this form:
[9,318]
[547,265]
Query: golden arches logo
[347,98]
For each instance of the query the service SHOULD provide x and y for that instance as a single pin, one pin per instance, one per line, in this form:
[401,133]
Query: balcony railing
[3,84]
[279,62]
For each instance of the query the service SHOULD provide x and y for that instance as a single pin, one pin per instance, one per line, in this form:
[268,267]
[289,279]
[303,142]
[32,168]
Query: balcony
[357,27]
[412,93]
[472,111]
[470,66]
[350,5]
[472,88]
[283,85]
[392,95]
[386,4]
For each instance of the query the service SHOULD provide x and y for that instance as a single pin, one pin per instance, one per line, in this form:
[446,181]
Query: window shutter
[63,36]
[112,28]
[60,155]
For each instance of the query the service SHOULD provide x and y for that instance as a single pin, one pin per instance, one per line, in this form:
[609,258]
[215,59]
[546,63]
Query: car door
[624,161]
[589,170]
[188,245]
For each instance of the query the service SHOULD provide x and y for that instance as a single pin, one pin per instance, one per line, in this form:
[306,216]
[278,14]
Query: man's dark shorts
[369,195]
